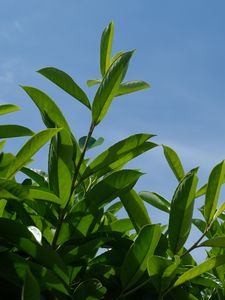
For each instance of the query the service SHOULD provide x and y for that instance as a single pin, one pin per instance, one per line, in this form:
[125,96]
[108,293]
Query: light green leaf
[31,289]
[213,190]
[3,203]
[131,87]
[51,114]
[200,192]
[181,211]
[106,47]
[92,82]
[45,195]
[119,154]
[155,200]
[61,165]
[135,262]
[65,82]
[169,273]
[109,86]
[135,209]
[174,162]
[29,149]
[2,143]
[8,108]
[200,269]
[116,56]
[121,225]
[111,187]
[9,131]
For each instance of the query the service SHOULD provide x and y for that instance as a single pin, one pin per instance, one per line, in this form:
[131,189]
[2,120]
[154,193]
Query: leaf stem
[76,173]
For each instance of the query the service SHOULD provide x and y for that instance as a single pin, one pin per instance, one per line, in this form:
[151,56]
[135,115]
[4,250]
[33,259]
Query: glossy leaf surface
[9,131]
[106,47]
[131,86]
[8,108]
[174,162]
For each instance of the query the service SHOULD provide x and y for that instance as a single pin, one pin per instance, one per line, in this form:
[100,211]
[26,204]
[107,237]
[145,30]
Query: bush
[60,236]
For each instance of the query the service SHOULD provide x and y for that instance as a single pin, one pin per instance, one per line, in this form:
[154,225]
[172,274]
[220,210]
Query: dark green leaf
[36,175]
[155,200]
[208,280]
[65,82]
[135,209]
[119,154]
[90,289]
[135,262]
[131,86]
[29,149]
[31,289]
[106,47]
[169,273]
[91,143]
[218,241]
[9,131]
[174,162]
[200,269]
[8,108]
[213,190]
[109,86]
[181,211]
[201,191]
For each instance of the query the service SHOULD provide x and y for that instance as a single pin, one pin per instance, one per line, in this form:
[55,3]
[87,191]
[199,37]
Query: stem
[76,173]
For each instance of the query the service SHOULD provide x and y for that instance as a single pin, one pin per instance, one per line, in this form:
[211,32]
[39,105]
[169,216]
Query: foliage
[60,235]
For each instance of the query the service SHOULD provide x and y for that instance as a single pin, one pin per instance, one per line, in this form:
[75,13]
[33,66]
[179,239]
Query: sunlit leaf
[174,162]
[92,82]
[213,190]
[65,82]
[106,47]
[155,200]
[200,269]
[135,209]
[181,211]
[29,149]
[108,87]
[131,86]
[9,131]
[135,262]
[8,108]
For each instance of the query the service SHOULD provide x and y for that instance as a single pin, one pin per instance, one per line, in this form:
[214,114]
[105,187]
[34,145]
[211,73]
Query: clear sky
[180,52]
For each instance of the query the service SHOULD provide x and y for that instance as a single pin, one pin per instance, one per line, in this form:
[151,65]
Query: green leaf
[135,209]
[2,143]
[8,108]
[45,195]
[200,224]
[29,149]
[61,165]
[65,82]
[9,131]
[200,269]
[36,175]
[131,87]
[155,200]
[111,187]
[109,86]
[91,143]
[169,273]
[92,82]
[116,56]
[208,280]
[11,189]
[218,241]
[5,160]
[51,114]
[135,262]
[90,289]
[181,211]
[31,289]
[201,191]
[121,225]
[119,154]
[213,190]
[106,48]
[174,162]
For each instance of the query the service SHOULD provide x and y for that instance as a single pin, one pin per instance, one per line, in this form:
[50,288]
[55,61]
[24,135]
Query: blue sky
[180,52]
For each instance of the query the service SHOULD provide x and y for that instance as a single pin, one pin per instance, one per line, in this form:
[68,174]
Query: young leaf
[31,289]
[109,86]
[181,211]
[9,131]
[65,82]
[213,190]
[8,108]
[92,82]
[174,162]
[200,192]
[119,154]
[155,200]
[135,209]
[106,47]
[29,149]
[131,86]
[200,269]
[135,262]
